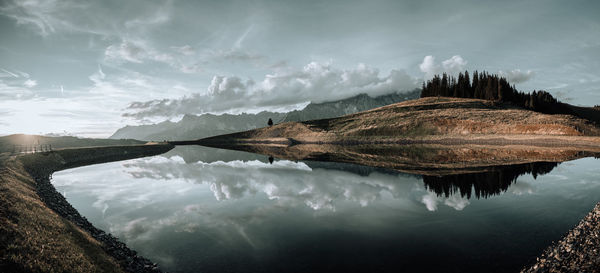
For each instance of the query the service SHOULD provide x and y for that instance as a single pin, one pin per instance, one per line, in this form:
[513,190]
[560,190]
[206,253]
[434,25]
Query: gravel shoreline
[578,251]
[40,167]
[126,257]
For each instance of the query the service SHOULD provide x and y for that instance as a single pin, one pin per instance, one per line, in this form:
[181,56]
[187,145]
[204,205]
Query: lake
[197,209]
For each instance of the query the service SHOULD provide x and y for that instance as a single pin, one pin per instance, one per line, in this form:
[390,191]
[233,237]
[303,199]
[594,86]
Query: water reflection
[482,183]
[425,159]
[492,181]
[201,209]
[288,183]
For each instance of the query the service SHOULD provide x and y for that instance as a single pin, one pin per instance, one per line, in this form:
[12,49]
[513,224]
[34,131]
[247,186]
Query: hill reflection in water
[491,181]
[478,171]
[469,181]
[203,209]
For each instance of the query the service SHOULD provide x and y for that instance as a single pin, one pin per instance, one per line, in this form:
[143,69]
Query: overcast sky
[88,68]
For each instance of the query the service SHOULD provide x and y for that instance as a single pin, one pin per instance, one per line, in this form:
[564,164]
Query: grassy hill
[428,118]
[427,136]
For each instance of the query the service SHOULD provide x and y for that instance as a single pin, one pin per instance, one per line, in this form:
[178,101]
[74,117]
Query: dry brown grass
[426,118]
[35,239]
[429,133]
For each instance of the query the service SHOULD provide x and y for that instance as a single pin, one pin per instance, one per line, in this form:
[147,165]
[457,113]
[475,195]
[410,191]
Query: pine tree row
[491,87]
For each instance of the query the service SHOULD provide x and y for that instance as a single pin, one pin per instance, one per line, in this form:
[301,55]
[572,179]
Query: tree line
[491,87]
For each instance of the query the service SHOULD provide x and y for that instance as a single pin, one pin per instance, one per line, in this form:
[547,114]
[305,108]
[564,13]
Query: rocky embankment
[42,232]
[127,258]
[579,251]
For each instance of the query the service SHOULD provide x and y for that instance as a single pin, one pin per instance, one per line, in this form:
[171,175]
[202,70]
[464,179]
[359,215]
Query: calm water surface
[199,209]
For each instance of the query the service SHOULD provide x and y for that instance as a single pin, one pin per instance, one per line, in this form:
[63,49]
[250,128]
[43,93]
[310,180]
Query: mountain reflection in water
[198,209]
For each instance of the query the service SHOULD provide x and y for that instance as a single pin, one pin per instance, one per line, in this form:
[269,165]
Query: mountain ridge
[206,125]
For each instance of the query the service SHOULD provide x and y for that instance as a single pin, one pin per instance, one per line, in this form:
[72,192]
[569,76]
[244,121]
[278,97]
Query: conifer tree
[491,87]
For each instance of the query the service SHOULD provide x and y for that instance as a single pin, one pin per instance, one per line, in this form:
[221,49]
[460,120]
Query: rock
[57,202]
[576,252]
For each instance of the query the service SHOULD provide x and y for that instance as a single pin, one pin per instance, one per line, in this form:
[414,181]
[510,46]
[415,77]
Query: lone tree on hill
[270,122]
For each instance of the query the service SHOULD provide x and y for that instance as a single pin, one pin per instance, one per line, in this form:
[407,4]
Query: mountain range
[200,126]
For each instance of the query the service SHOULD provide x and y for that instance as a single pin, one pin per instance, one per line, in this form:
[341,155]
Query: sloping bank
[578,251]
[41,232]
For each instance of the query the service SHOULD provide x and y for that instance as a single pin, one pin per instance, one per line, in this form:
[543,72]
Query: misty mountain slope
[206,125]
[192,126]
[142,132]
[347,106]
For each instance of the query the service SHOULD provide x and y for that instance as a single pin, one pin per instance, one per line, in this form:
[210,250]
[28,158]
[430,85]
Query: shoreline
[577,251]
[126,257]
[422,159]
[573,250]
[585,143]
[84,243]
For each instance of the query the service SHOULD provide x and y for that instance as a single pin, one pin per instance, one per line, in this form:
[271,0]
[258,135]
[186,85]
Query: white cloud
[53,16]
[29,83]
[316,82]
[92,111]
[239,179]
[451,66]
[142,52]
[7,74]
[225,56]
[430,201]
[125,51]
[457,64]
[158,16]
[457,202]
[517,76]
[521,188]
[454,65]
[190,69]
[14,91]
[38,14]
[68,16]
[235,54]
[429,67]
[185,50]
[123,85]
[227,86]
[16,85]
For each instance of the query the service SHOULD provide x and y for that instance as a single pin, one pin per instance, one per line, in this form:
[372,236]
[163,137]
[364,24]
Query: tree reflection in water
[484,184]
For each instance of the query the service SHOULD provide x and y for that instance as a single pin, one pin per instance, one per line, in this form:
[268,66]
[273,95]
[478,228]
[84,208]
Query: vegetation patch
[41,232]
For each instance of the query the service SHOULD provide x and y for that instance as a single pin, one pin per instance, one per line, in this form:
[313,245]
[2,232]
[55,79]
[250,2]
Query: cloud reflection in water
[243,211]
